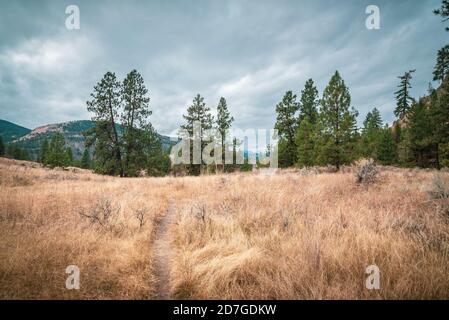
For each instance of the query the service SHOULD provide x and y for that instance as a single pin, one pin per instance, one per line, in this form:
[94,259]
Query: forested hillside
[31,140]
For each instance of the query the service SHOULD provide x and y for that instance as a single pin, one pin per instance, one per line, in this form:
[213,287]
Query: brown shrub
[439,188]
[366,171]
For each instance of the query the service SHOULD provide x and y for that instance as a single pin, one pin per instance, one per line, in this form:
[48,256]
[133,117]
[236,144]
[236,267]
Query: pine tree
[105,105]
[139,137]
[158,163]
[442,66]
[308,106]
[403,99]
[85,159]
[16,152]
[440,119]
[373,120]
[44,152]
[2,147]
[443,11]
[406,158]
[68,157]
[197,112]
[420,133]
[57,152]
[223,122]
[388,150]
[369,141]
[367,121]
[306,141]
[339,129]
[287,124]
[123,149]
[306,133]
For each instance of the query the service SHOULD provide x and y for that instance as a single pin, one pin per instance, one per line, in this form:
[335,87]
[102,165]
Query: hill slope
[11,131]
[31,140]
[72,132]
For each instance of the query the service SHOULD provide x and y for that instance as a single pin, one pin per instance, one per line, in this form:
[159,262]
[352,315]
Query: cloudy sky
[250,52]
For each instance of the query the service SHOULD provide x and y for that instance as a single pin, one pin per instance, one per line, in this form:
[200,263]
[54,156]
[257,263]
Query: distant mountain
[72,132]
[11,131]
[31,140]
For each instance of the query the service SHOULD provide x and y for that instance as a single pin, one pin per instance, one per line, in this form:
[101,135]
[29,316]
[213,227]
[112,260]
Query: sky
[250,52]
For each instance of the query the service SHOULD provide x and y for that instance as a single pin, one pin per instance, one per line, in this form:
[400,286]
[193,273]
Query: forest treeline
[314,129]
[323,130]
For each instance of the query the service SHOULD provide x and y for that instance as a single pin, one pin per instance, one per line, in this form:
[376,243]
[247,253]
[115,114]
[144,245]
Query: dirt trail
[163,254]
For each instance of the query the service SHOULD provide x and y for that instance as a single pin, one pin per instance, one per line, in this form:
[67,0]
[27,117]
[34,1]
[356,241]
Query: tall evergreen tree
[306,135]
[68,156]
[403,99]
[406,157]
[197,112]
[105,105]
[85,159]
[339,129]
[122,149]
[139,137]
[44,152]
[443,11]
[420,132]
[57,155]
[440,119]
[442,66]
[387,153]
[2,146]
[223,122]
[306,141]
[373,120]
[370,137]
[287,124]
[158,163]
[309,101]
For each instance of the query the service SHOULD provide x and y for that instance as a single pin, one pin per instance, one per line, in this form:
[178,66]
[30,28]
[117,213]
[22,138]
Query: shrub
[141,216]
[439,188]
[366,171]
[102,212]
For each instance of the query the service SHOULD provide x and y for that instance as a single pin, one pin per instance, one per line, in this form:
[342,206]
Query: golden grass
[42,232]
[285,236]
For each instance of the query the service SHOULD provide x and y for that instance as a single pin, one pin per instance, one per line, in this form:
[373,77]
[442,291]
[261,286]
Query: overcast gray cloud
[250,52]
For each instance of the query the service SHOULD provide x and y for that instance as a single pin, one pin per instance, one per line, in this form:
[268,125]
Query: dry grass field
[287,236]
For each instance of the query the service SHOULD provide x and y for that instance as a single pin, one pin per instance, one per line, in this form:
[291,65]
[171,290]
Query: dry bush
[141,215]
[307,171]
[103,212]
[438,191]
[366,171]
[439,188]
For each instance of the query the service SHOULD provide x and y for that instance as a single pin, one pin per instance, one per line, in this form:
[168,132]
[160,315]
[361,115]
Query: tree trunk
[129,142]
[118,155]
